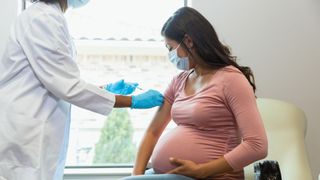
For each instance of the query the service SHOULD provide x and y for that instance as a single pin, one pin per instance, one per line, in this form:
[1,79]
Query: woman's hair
[213,54]
[63,3]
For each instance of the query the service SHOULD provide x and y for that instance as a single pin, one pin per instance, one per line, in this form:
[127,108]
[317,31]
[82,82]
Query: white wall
[8,12]
[280,40]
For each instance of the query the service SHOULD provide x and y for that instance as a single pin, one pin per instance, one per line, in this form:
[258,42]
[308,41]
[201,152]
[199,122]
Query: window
[115,40]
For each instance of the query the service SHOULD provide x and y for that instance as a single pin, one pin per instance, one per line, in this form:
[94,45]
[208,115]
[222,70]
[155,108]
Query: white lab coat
[38,80]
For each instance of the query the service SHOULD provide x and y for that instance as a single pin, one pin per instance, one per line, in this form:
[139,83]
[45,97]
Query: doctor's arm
[151,136]
[48,48]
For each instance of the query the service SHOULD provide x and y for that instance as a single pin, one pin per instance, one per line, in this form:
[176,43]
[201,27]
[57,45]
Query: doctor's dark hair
[63,3]
[213,54]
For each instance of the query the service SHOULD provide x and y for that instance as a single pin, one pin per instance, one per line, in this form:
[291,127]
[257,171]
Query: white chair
[285,124]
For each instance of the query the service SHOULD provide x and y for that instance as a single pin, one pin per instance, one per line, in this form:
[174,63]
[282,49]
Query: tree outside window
[115,143]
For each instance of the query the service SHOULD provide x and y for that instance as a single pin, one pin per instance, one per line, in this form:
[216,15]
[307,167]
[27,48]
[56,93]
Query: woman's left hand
[186,168]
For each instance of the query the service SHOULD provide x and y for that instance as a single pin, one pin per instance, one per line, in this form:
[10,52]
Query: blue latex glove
[147,100]
[121,87]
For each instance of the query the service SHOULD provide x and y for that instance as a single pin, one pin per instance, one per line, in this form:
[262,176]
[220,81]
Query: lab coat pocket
[22,141]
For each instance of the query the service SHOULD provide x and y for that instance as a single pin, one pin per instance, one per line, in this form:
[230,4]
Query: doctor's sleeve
[46,44]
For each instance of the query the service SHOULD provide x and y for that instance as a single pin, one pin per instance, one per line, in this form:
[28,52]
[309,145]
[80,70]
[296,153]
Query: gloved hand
[121,87]
[147,100]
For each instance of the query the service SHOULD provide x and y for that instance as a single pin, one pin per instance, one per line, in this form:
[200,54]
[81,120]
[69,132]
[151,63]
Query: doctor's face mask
[181,63]
[77,3]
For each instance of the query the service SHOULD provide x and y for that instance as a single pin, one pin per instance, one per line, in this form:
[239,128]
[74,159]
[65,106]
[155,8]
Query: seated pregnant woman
[219,129]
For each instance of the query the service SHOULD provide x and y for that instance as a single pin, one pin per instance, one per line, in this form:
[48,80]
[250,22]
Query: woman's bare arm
[151,136]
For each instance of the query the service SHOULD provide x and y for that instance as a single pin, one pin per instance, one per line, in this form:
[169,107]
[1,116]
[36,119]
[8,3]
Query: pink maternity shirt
[221,119]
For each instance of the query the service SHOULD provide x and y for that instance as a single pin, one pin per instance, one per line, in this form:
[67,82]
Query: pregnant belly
[187,143]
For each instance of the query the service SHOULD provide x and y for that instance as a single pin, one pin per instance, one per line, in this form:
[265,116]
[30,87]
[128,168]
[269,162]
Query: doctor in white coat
[38,80]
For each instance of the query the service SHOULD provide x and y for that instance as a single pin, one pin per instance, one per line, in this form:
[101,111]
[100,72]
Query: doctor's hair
[63,3]
[212,53]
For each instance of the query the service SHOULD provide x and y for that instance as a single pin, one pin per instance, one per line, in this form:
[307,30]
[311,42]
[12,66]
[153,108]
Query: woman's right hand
[137,172]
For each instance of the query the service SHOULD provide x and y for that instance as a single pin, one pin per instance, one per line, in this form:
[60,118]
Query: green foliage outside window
[115,143]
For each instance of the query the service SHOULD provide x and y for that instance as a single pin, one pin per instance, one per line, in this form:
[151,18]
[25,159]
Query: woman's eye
[168,47]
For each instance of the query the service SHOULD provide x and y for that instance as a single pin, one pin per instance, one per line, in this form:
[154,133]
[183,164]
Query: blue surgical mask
[77,3]
[181,63]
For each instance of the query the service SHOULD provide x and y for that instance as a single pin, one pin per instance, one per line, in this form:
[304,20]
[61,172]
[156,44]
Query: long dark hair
[213,54]
[63,3]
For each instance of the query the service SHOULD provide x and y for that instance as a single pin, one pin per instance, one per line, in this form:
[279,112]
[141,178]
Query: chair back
[285,125]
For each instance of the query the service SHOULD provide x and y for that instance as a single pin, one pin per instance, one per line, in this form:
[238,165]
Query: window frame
[84,172]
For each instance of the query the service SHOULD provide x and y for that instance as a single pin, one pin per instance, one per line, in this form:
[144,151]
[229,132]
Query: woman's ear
[188,41]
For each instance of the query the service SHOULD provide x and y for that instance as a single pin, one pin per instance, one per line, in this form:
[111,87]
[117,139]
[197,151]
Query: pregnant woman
[219,129]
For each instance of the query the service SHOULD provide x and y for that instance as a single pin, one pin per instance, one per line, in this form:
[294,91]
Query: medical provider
[39,78]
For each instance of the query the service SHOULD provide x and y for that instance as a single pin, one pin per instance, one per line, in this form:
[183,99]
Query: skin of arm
[122,101]
[151,136]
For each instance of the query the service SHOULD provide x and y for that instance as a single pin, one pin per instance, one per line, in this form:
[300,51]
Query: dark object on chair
[267,170]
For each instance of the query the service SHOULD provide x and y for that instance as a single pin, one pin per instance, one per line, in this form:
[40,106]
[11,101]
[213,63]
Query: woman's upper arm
[160,119]
[163,115]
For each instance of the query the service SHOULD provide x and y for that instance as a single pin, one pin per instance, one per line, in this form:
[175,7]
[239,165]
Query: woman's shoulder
[178,80]
[234,81]
[230,72]
[231,75]
[181,76]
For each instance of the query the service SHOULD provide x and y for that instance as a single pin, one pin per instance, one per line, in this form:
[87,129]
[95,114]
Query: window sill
[103,171]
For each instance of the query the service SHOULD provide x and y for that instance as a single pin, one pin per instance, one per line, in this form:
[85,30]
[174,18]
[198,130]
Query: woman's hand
[137,172]
[200,171]
[187,168]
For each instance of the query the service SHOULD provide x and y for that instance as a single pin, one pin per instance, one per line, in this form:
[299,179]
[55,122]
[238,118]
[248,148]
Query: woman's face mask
[77,3]
[181,63]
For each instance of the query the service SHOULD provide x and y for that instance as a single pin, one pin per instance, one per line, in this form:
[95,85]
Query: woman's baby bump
[186,142]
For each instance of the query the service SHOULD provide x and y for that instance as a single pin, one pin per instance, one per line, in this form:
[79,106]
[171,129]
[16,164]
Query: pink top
[222,119]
